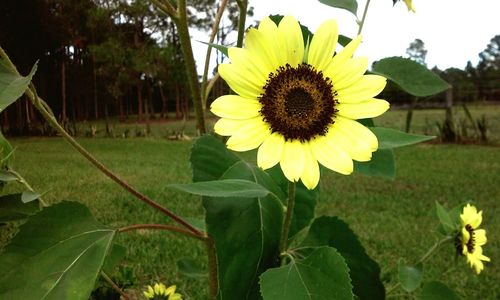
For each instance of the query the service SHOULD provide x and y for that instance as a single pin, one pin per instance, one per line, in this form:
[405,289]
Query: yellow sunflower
[470,239]
[298,103]
[410,6]
[160,292]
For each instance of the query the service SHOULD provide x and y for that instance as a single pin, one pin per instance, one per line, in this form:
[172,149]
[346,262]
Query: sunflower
[470,240]
[160,292]
[298,103]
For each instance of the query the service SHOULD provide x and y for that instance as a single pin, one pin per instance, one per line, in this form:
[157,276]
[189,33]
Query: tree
[417,52]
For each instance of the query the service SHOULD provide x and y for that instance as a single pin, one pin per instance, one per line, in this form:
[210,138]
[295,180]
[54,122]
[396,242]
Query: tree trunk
[178,108]
[94,74]
[63,88]
[139,102]
[164,103]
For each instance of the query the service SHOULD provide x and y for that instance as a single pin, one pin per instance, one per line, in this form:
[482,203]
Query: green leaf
[57,254]
[221,48]
[409,277]
[445,219]
[12,208]
[191,268]
[349,5]
[246,232]
[322,275]
[364,271]
[391,138]
[305,201]
[28,196]
[210,158]
[12,86]
[196,223]
[344,40]
[115,256]
[7,176]
[382,164]
[5,151]
[410,76]
[435,290]
[223,188]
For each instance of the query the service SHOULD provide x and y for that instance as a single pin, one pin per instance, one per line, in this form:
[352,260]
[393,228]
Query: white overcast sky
[454,31]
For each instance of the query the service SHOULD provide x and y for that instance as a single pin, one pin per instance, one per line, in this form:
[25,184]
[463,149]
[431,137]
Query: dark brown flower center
[470,243]
[299,103]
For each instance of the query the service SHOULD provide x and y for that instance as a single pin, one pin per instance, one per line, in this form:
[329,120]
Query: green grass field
[394,219]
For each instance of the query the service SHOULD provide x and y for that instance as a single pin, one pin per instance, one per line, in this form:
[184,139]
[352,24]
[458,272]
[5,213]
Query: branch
[161,227]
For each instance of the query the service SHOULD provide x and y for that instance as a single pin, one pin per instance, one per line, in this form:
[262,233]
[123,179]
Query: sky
[453,31]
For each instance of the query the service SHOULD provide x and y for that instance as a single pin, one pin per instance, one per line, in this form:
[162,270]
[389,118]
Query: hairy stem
[192,74]
[425,257]
[215,28]
[114,285]
[288,218]
[213,283]
[242,5]
[362,22]
[160,227]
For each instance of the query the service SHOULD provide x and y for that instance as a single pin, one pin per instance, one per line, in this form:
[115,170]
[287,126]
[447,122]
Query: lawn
[394,219]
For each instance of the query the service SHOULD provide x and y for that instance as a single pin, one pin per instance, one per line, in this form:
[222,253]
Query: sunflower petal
[235,107]
[261,43]
[367,87]
[293,43]
[323,45]
[240,81]
[292,161]
[357,149]
[310,175]
[480,237]
[271,151]
[227,127]
[349,73]
[332,156]
[249,136]
[343,56]
[242,58]
[357,131]
[362,110]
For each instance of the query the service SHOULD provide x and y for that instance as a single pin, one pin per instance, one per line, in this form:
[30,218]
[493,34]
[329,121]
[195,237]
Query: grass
[394,219]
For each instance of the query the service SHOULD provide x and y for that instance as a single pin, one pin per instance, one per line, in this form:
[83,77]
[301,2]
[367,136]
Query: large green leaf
[305,201]
[445,220]
[410,76]
[12,86]
[391,138]
[191,268]
[5,151]
[322,275]
[57,254]
[435,290]
[364,271]
[223,188]
[210,158]
[349,5]
[382,164]
[246,232]
[409,277]
[12,208]
[115,256]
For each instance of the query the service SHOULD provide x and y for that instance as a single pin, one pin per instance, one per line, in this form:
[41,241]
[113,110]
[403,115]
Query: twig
[160,227]
[114,285]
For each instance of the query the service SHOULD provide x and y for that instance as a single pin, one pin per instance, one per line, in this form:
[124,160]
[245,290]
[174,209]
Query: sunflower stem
[288,217]
[114,285]
[425,257]
[362,22]
[213,283]
[242,5]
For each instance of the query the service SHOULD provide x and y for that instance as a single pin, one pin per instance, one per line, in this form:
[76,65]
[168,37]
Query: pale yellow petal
[292,41]
[357,149]
[235,107]
[227,127]
[241,81]
[357,131]
[471,217]
[249,136]
[262,47]
[292,161]
[331,156]
[271,151]
[310,175]
[349,73]
[242,58]
[323,45]
[343,56]
[171,290]
[367,87]
[362,110]
[480,237]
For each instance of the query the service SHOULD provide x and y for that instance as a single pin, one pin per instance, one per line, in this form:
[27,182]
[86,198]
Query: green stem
[160,227]
[192,74]
[364,17]
[27,185]
[215,28]
[50,118]
[242,5]
[114,285]
[288,218]
[166,7]
[212,268]
[425,257]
